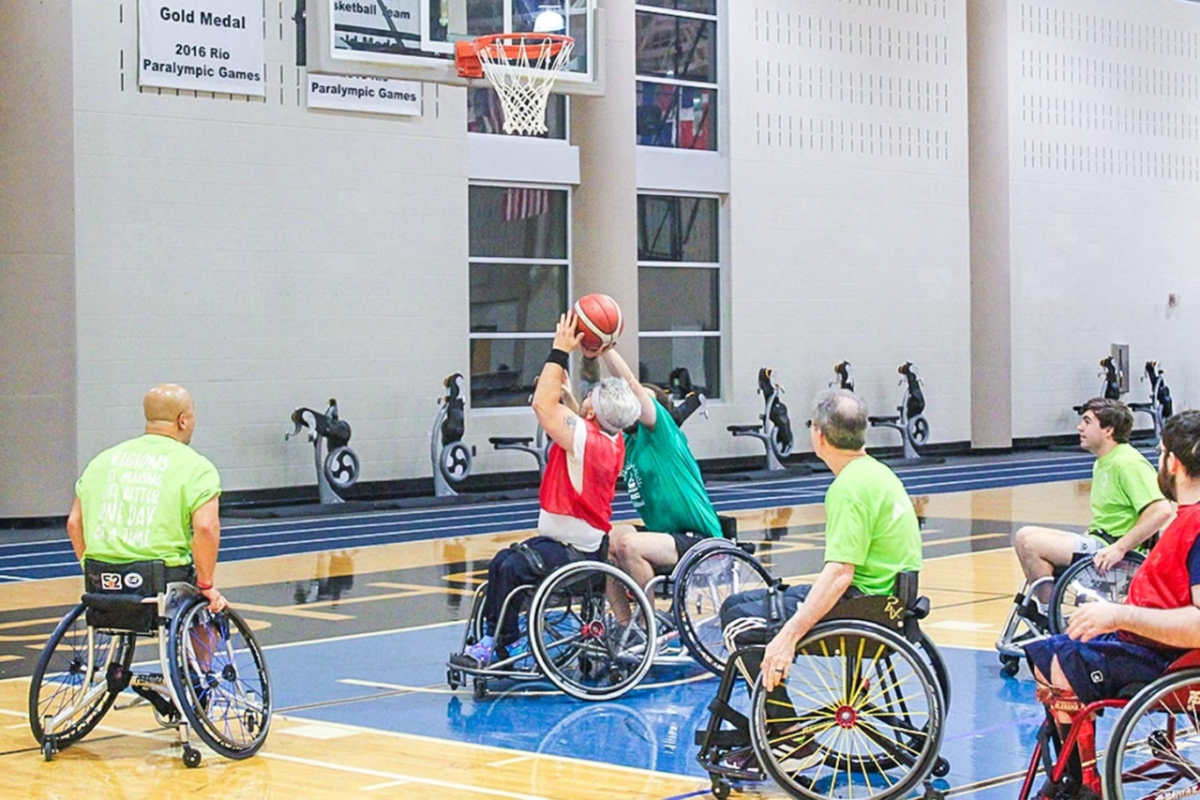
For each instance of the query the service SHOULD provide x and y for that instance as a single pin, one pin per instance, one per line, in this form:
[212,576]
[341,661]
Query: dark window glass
[684,117]
[503,371]
[700,356]
[678,299]
[484,114]
[517,298]
[677,228]
[518,222]
[696,6]
[676,47]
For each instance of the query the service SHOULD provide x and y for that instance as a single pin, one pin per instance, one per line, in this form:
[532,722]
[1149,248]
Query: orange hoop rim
[505,47]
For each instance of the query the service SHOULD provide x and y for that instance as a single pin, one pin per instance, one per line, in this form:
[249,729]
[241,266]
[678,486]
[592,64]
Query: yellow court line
[293,611]
[419,589]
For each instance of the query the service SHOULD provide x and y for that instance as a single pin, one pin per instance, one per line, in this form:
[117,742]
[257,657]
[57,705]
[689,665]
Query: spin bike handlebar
[326,425]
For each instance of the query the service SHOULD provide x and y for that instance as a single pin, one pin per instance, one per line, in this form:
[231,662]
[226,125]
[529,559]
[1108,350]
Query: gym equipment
[910,422]
[210,676]
[1160,406]
[1153,750]
[1110,387]
[775,428]
[872,695]
[537,446]
[1078,583]
[451,458]
[521,67]
[337,464]
[843,380]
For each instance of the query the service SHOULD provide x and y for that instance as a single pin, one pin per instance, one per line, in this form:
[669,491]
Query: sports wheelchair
[210,676]
[875,695]
[1153,751]
[568,630]
[1078,583]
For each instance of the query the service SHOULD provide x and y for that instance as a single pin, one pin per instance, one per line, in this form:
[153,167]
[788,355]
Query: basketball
[599,319]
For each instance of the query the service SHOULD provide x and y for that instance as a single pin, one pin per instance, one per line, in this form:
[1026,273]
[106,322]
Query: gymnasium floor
[358,613]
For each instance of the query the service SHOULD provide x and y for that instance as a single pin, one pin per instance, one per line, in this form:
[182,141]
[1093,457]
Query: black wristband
[560,357]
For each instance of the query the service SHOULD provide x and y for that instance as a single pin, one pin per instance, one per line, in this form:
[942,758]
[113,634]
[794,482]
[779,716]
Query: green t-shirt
[664,480]
[870,523]
[1123,484]
[138,499]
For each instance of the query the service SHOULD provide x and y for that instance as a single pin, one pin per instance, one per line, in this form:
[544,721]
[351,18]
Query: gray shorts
[1092,542]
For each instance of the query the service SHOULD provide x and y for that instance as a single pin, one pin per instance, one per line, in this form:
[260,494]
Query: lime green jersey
[1123,484]
[138,499]
[870,523]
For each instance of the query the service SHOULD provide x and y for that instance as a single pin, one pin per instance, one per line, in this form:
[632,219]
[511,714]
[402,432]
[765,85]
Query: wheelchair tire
[878,724]
[220,677]
[933,657]
[1069,589]
[576,640]
[706,578]
[62,678]
[1154,750]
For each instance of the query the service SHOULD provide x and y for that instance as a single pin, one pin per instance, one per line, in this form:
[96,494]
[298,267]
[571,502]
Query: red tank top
[603,458]
[1163,581]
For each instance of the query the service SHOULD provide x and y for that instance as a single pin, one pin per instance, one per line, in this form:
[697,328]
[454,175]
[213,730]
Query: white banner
[375,95]
[379,26]
[202,45]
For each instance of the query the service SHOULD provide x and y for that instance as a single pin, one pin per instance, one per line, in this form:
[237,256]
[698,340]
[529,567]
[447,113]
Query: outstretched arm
[1153,519]
[617,366]
[206,541]
[826,590]
[556,419]
[1174,627]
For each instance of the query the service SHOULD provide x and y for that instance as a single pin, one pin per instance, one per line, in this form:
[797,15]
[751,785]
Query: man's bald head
[170,412]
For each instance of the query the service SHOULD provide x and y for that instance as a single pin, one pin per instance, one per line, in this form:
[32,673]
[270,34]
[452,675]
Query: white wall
[849,229]
[1104,116]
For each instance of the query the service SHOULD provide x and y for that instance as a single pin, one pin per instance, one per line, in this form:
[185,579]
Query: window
[676,44]
[519,270]
[679,292]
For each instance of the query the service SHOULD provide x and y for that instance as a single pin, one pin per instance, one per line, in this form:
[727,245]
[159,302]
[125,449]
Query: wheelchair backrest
[899,611]
[115,594]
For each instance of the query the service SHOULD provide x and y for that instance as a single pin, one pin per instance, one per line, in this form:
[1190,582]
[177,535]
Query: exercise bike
[1161,406]
[452,460]
[337,464]
[910,422]
[775,427]
[1110,388]
[843,379]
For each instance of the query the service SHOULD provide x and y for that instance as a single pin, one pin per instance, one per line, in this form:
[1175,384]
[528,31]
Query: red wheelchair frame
[1079,746]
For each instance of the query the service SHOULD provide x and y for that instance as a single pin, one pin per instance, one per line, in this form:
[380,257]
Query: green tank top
[138,499]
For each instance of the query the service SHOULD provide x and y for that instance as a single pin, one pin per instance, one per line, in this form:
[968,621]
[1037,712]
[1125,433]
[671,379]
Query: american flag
[524,203]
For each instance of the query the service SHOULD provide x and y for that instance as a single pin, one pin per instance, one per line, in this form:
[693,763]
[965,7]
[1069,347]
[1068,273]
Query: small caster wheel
[191,757]
[479,688]
[1009,665]
[48,748]
[452,679]
[941,768]
[720,789]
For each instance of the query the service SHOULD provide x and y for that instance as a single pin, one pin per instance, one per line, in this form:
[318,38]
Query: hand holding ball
[599,319]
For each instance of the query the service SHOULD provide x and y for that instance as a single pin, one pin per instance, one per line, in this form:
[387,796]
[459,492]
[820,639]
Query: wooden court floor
[970,575]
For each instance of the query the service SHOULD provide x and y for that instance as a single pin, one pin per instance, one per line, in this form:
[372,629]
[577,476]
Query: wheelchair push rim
[705,581]
[1082,583]
[1155,746]
[867,720]
[220,677]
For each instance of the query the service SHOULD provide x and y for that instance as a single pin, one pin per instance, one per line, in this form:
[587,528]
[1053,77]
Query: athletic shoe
[476,656]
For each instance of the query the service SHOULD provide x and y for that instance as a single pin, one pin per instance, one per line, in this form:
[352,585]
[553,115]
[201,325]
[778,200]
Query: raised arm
[617,367]
[556,419]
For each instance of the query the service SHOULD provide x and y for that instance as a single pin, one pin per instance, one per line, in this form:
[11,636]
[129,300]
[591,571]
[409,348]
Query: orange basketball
[599,319]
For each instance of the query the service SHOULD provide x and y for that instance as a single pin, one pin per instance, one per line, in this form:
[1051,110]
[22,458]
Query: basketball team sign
[202,45]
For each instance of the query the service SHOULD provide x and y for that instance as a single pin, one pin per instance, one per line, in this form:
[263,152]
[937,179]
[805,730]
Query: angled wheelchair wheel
[72,679]
[1083,583]
[859,715]
[575,636]
[705,580]
[1154,751]
[933,657]
[220,676]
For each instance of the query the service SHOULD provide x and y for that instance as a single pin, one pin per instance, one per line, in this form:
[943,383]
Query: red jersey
[595,465]
[1163,581]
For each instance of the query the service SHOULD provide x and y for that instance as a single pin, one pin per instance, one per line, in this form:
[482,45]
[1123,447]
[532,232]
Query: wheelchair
[566,623]
[875,695]
[1078,583]
[1153,750]
[210,676]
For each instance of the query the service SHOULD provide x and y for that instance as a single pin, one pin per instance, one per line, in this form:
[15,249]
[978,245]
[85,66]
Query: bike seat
[510,441]
[744,430]
[1141,406]
[883,420]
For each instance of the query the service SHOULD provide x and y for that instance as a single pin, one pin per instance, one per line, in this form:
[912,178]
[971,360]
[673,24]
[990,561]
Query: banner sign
[202,45]
[375,95]
[377,26]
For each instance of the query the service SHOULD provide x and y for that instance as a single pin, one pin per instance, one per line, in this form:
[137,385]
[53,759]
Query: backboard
[414,39]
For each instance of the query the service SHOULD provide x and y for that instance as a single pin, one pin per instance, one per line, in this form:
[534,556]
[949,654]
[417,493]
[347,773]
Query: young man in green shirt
[871,534]
[1127,505]
[153,498]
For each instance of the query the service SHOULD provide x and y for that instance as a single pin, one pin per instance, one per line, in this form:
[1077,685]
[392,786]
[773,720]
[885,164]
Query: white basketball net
[523,79]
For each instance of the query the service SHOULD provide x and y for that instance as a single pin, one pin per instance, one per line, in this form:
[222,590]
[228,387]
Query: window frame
[713,88]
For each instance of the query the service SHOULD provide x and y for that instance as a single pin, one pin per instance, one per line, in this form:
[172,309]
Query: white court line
[504,762]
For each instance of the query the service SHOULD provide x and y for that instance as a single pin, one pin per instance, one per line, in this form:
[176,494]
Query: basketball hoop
[522,67]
